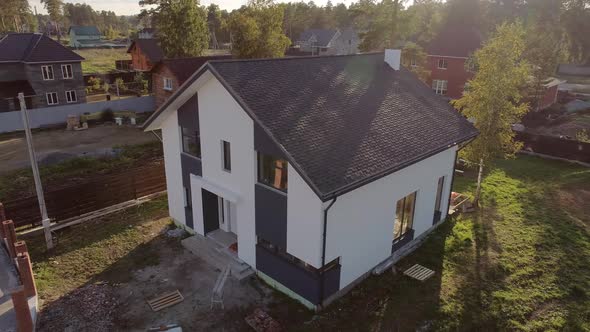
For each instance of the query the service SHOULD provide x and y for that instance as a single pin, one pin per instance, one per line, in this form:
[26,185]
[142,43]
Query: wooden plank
[419,272]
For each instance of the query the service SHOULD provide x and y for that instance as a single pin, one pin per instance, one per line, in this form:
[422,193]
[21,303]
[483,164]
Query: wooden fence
[555,146]
[91,195]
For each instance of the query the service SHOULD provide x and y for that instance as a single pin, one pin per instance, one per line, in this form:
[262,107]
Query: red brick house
[145,54]
[447,56]
[169,74]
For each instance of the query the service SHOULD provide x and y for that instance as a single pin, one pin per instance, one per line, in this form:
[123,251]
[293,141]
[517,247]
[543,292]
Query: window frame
[45,71]
[73,93]
[71,72]
[226,156]
[261,179]
[440,187]
[402,219]
[437,86]
[197,138]
[47,94]
[166,86]
[445,62]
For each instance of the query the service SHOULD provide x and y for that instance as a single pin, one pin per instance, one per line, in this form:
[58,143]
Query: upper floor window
[226,154]
[404,215]
[439,87]
[71,96]
[442,64]
[67,72]
[272,171]
[167,83]
[191,142]
[47,72]
[52,98]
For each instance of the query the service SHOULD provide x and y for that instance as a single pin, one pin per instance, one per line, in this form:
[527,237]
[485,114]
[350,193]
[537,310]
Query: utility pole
[38,186]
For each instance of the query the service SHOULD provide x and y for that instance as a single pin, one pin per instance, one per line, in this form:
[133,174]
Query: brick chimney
[393,58]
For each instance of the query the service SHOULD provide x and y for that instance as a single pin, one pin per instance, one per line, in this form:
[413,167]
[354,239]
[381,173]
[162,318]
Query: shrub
[94,83]
[107,115]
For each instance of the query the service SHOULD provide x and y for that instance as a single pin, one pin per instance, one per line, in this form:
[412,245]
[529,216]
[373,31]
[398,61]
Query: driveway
[57,145]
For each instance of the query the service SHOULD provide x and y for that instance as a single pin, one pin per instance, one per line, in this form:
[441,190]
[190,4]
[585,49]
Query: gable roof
[322,36]
[342,121]
[85,30]
[183,68]
[149,47]
[455,40]
[34,47]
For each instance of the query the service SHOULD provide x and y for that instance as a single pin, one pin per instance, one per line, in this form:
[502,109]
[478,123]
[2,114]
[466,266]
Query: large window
[190,142]
[67,72]
[226,150]
[272,171]
[404,215]
[439,87]
[47,72]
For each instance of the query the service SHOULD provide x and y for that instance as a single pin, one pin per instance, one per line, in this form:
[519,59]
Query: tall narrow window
[439,190]
[52,98]
[272,171]
[67,72]
[71,96]
[47,72]
[225,147]
[404,215]
[187,197]
[190,142]
[167,84]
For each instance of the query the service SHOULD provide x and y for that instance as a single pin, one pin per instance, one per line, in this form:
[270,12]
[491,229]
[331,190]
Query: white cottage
[321,168]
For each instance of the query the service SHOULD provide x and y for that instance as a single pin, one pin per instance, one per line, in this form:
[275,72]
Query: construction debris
[165,301]
[260,321]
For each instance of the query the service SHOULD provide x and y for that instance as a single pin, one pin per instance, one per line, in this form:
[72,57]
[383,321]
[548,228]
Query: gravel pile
[89,308]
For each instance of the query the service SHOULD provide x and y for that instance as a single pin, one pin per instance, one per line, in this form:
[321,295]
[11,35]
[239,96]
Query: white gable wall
[171,144]
[360,223]
[221,118]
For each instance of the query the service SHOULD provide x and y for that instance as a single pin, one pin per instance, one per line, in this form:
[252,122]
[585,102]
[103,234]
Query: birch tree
[494,97]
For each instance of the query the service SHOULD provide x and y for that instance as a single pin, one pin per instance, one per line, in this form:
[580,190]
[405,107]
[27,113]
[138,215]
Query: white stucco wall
[360,223]
[221,118]
[304,221]
[171,144]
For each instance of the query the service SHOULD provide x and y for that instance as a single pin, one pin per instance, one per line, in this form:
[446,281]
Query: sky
[131,7]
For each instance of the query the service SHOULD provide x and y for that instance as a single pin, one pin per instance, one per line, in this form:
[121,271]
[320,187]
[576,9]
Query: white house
[321,168]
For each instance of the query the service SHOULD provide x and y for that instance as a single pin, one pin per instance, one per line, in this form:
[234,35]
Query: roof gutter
[324,236]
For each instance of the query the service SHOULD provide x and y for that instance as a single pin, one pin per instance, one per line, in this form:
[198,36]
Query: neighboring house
[567,69]
[169,74]
[320,168]
[47,72]
[546,95]
[84,36]
[447,56]
[146,33]
[329,42]
[145,54]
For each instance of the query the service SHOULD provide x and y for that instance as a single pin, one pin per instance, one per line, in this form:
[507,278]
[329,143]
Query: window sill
[266,186]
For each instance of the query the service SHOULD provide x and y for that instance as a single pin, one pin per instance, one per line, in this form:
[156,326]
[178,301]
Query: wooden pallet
[419,272]
[166,300]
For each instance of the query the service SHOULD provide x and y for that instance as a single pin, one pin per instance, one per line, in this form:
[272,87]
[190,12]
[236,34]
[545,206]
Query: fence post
[10,232]
[24,321]
[2,218]
[26,274]
[134,186]
[20,247]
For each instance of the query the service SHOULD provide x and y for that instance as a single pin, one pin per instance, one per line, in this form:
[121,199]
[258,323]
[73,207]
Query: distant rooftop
[85,30]
[34,47]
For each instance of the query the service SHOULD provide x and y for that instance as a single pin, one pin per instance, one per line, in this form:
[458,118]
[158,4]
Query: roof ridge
[30,49]
[297,57]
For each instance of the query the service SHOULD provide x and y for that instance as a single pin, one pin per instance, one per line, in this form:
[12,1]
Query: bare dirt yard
[56,145]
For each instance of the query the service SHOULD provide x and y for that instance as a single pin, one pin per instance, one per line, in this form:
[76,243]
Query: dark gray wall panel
[264,144]
[301,281]
[189,165]
[271,216]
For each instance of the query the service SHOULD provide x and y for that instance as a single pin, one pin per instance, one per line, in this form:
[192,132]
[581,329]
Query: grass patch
[521,262]
[101,60]
[107,249]
[19,183]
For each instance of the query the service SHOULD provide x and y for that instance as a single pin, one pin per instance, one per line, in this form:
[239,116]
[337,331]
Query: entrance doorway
[210,211]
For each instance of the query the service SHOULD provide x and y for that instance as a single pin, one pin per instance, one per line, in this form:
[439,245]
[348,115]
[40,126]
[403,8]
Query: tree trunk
[478,189]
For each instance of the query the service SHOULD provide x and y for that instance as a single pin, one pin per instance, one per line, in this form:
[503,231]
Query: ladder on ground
[217,296]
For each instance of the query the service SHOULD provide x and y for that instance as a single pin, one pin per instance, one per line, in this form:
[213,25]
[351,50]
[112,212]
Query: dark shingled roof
[81,30]
[150,47]
[11,89]
[183,68]
[344,120]
[32,47]
[455,40]
[323,36]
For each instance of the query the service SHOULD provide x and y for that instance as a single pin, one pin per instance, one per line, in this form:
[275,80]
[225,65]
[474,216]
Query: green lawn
[521,263]
[102,60]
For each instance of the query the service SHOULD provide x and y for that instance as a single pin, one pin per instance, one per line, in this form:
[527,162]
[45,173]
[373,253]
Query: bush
[107,115]
[94,83]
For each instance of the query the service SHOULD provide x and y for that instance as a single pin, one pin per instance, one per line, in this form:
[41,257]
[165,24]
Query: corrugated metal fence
[91,195]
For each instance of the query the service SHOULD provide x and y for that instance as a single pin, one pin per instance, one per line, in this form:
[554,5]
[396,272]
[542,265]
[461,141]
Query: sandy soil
[62,144]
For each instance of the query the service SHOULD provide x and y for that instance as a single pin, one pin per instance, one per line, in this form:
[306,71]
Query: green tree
[384,28]
[257,30]
[181,26]
[493,100]
[16,15]
[415,59]
[54,9]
